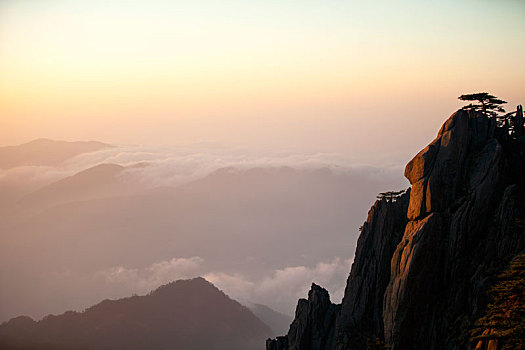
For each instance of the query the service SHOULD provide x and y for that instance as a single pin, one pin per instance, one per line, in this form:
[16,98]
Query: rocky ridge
[425,260]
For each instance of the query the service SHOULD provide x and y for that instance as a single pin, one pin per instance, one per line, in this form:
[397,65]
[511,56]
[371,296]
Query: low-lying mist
[122,220]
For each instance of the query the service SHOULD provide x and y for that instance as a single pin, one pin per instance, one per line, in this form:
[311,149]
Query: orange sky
[304,76]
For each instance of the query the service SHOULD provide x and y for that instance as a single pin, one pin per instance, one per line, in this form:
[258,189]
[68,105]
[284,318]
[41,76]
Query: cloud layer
[279,289]
[145,279]
[249,231]
[172,166]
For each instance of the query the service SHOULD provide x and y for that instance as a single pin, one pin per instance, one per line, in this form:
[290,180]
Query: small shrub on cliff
[504,321]
[391,196]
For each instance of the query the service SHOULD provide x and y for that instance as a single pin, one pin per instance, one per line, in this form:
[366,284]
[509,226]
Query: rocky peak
[437,173]
[458,182]
[425,261]
[313,326]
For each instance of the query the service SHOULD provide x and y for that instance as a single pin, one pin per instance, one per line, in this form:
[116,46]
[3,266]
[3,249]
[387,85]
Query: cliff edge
[426,259]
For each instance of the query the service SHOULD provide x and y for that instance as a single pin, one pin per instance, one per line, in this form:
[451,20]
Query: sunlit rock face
[425,260]
[438,172]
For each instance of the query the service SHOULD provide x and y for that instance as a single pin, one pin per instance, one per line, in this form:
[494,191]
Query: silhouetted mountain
[45,152]
[277,321]
[425,260]
[187,314]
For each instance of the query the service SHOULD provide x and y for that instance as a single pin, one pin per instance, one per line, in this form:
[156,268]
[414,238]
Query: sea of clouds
[279,289]
[159,166]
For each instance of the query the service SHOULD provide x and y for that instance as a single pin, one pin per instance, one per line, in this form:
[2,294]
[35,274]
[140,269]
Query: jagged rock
[361,310]
[422,284]
[313,326]
[279,343]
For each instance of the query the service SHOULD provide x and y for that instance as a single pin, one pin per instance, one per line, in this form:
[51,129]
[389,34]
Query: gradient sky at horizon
[361,79]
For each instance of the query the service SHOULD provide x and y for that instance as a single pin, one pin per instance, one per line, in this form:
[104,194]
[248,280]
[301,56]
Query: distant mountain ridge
[278,322]
[185,315]
[100,181]
[45,152]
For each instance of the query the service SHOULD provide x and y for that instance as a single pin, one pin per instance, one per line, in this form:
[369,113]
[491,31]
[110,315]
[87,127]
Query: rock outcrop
[361,310]
[424,261]
[314,324]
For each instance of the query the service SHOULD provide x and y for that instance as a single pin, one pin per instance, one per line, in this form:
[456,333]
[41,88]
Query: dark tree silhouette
[390,195]
[517,122]
[513,122]
[488,104]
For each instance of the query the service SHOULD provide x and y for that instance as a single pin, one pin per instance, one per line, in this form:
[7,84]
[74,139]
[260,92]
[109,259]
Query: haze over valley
[129,219]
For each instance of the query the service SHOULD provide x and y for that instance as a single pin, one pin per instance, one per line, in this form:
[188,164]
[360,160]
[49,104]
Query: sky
[369,80]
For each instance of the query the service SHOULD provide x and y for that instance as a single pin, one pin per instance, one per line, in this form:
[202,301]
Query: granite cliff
[426,259]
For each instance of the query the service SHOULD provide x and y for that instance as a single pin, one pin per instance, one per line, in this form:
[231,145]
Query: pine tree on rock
[488,104]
